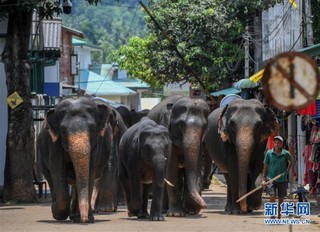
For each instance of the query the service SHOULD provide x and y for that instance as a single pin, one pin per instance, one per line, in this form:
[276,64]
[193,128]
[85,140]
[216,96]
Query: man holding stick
[276,161]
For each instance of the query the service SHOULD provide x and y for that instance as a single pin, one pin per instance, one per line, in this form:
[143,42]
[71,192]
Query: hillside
[108,25]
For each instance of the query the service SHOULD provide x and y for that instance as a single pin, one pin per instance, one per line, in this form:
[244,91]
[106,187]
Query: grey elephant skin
[236,140]
[186,120]
[142,152]
[108,194]
[131,117]
[73,147]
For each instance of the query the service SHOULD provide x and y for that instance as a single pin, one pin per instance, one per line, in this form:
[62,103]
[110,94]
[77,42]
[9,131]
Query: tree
[109,26]
[208,34]
[18,184]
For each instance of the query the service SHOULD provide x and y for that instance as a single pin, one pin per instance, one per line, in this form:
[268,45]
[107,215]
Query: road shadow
[11,208]
[69,222]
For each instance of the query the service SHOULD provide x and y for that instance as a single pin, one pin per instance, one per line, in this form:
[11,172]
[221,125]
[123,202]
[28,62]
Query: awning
[245,84]
[225,92]
[313,50]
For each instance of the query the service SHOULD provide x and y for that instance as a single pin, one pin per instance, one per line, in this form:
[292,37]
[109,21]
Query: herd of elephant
[95,156]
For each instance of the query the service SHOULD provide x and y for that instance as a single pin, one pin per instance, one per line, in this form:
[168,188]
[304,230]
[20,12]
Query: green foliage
[133,58]
[207,33]
[204,31]
[108,25]
[315,8]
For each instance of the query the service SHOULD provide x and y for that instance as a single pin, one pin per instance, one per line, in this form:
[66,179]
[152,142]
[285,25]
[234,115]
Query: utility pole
[258,43]
[308,18]
[246,52]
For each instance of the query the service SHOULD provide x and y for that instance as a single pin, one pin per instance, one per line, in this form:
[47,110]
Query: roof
[74,31]
[245,84]
[51,32]
[111,72]
[95,84]
[79,42]
[132,83]
[225,92]
[111,103]
[313,50]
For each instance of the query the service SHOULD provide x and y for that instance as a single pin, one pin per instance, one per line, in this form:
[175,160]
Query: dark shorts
[278,189]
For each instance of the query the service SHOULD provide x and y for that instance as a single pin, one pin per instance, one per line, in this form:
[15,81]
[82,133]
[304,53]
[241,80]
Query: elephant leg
[165,200]
[230,206]
[254,200]
[94,197]
[135,204]
[207,169]
[120,197]
[125,184]
[107,191]
[156,204]
[174,192]
[145,196]
[233,187]
[74,212]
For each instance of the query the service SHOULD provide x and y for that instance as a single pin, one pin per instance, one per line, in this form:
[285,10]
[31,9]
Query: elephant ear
[271,125]
[222,125]
[51,125]
[103,119]
[114,122]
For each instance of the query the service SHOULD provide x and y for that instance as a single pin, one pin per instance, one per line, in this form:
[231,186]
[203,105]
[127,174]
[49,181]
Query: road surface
[37,217]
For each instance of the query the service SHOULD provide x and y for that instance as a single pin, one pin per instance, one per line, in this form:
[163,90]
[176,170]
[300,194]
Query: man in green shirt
[276,161]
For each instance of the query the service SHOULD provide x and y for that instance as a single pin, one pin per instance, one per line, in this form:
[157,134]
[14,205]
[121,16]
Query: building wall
[84,56]
[3,108]
[281,29]
[65,62]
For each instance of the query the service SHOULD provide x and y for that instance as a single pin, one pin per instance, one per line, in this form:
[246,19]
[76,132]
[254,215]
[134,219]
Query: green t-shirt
[277,164]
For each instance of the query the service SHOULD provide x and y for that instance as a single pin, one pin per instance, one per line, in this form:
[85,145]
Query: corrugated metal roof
[132,83]
[79,42]
[225,92]
[93,83]
[51,32]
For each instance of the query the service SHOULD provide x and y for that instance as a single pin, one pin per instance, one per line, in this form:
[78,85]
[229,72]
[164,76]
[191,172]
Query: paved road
[37,217]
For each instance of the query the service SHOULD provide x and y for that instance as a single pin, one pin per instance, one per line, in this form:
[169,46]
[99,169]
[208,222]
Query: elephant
[107,192]
[236,140]
[186,120]
[73,146]
[143,151]
[131,117]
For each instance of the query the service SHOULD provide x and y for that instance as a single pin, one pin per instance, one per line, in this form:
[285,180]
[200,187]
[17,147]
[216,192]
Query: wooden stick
[259,187]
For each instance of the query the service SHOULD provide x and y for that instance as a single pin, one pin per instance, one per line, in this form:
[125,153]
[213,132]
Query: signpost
[291,81]
[14,100]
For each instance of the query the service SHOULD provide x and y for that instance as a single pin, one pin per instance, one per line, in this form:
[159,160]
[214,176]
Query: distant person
[276,161]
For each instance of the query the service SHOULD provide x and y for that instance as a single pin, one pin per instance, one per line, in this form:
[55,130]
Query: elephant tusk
[168,182]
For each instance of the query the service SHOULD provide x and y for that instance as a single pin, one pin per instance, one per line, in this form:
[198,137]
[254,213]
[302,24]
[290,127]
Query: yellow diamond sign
[14,100]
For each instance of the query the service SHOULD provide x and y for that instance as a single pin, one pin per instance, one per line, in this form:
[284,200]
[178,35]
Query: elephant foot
[138,214]
[107,208]
[143,215]
[133,212]
[193,205]
[193,211]
[156,217]
[77,219]
[233,208]
[206,184]
[176,212]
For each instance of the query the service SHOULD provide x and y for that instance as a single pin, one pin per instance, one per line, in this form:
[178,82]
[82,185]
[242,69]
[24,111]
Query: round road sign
[291,81]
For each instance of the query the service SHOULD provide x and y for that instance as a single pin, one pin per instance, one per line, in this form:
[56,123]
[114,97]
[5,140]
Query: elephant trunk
[79,148]
[158,163]
[192,143]
[244,146]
